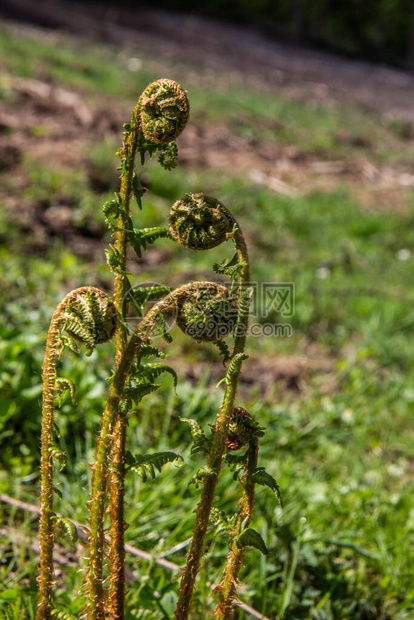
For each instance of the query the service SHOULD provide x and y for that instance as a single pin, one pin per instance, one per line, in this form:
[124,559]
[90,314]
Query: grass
[340,446]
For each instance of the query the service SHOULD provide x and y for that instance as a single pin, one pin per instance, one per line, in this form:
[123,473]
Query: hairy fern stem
[215,456]
[226,590]
[116,600]
[84,316]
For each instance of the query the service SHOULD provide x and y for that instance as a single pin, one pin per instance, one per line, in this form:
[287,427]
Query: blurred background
[302,124]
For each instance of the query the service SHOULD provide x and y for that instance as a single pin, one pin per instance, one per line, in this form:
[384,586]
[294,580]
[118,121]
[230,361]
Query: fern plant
[204,311]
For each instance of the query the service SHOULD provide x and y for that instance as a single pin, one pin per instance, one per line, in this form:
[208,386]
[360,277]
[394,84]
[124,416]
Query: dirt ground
[242,51]
[200,48]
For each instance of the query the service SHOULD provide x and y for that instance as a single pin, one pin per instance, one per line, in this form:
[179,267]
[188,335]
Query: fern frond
[244,303]
[251,538]
[149,350]
[57,454]
[161,328]
[137,393]
[137,190]
[111,209]
[234,367]
[230,267]
[84,310]
[63,385]
[236,463]
[70,342]
[260,476]
[221,521]
[153,370]
[67,528]
[203,472]
[224,350]
[147,465]
[113,261]
[140,238]
[58,492]
[73,326]
[201,443]
[168,156]
[141,295]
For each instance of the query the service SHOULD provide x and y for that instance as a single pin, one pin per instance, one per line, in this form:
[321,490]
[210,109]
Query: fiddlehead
[163,111]
[85,316]
[242,429]
[199,222]
[206,311]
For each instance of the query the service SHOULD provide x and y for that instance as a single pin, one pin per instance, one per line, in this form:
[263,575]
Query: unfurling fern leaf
[146,465]
[137,393]
[149,350]
[224,350]
[111,209]
[57,454]
[221,521]
[63,385]
[152,371]
[75,328]
[67,528]
[141,238]
[236,462]
[230,267]
[141,295]
[203,472]
[260,476]
[161,328]
[113,261]
[245,300]
[168,156]
[234,368]
[251,538]
[201,443]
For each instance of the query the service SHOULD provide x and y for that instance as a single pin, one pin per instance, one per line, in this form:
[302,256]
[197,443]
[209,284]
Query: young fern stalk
[84,316]
[226,590]
[173,301]
[160,115]
[192,222]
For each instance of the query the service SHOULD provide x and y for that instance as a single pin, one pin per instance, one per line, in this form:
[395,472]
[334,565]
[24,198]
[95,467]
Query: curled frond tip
[164,111]
[199,222]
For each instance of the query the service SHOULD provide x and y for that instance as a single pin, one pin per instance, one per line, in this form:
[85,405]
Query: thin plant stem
[47,526]
[227,588]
